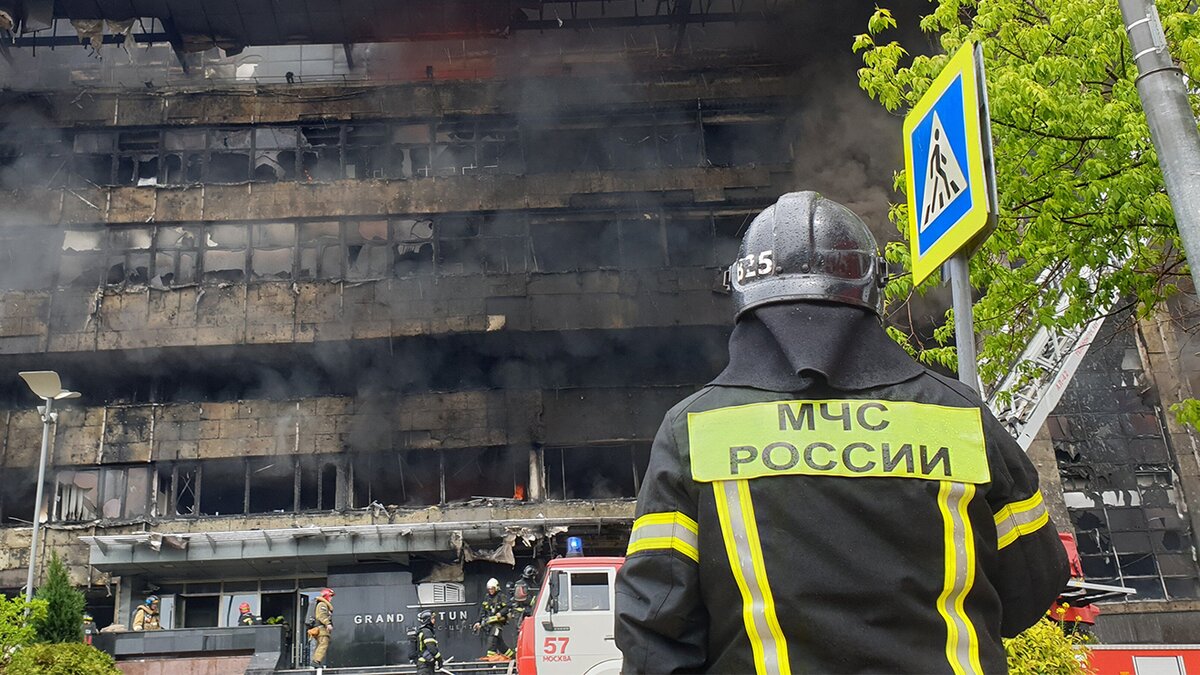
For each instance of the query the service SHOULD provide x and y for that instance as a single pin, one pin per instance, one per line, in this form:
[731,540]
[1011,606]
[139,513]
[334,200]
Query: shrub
[1044,649]
[70,658]
[64,606]
[16,630]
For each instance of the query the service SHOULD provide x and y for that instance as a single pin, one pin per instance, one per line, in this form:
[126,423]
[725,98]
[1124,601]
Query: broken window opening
[18,496]
[499,148]
[567,150]
[633,148]
[462,248]
[315,494]
[137,498]
[112,494]
[199,611]
[690,242]
[224,488]
[176,253]
[366,151]
[138,159]
[405,478]
[320,255]
[595,472]
[329,487]
[414,246]
[642,242]
[321,157]
[727,229]
[129,256]
[162,504]
[275,154]
[185,487]
[225,254]
[454,149]
[92,170]
[368,251]
[746,143]
[82,262]
[229,156]
[679,141]
[274,247]
[272,485]
[486,473]
[77,496]
[570,247]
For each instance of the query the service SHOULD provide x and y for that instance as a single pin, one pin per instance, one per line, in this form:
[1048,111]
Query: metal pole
[964,321]
[37,507]
[1172,126]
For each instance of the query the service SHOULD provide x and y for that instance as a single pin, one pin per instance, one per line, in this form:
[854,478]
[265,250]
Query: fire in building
[392,300]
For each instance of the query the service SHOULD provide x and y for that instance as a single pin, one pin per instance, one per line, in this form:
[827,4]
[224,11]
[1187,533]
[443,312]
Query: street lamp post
[47,386]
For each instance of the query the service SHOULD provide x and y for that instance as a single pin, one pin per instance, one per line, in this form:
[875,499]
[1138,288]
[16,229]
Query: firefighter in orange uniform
[323,614]
[827,504]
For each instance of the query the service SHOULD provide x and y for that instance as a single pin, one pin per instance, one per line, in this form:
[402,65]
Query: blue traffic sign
[948,192]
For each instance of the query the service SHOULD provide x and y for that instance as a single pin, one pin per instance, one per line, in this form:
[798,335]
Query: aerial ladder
[1034,384]
[1036,381]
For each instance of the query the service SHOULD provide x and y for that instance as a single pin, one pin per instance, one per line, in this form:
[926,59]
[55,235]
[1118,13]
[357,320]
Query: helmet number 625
[753,265]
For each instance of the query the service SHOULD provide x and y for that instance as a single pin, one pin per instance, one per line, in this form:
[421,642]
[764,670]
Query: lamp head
[44,383]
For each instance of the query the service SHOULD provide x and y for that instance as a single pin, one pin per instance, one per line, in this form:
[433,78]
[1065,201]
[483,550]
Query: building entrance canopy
[310,550]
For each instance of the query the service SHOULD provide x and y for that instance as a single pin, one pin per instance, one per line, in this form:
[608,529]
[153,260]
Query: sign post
[951,187]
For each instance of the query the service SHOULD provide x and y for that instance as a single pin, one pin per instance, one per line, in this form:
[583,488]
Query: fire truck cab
[571,629]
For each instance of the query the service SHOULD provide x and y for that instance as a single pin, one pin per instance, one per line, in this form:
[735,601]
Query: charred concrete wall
[1126,480]
[364,303]
[284,313]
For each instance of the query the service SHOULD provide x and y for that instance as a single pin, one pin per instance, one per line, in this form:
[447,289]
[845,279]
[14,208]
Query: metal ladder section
[1038,379]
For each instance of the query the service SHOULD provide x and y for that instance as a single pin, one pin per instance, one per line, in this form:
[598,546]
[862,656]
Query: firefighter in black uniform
[429,657]
[493,616]
[827,504]
[524,593]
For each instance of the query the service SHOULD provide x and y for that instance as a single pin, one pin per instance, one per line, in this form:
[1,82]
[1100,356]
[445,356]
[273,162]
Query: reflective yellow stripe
[663,544]
[1019,519]
[739,529]
[670,531]
[668,518]
[1017,508]
[962,641]
[760,571]
[847,438]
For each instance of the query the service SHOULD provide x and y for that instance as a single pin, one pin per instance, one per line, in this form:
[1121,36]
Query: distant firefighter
[145,617]
[428,656]
[247,617]
[493,616]
[323,616]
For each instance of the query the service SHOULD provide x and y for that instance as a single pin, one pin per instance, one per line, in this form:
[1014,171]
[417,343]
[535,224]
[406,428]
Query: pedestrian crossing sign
[949,192]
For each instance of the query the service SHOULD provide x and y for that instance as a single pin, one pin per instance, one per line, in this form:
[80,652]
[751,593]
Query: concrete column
[535,475]
[1041,453]
[125,602]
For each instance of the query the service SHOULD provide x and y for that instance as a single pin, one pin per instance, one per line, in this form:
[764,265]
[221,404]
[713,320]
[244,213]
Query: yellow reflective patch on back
[849,438]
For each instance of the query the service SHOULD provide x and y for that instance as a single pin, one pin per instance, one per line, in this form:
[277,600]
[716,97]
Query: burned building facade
[413,326]
[395,317]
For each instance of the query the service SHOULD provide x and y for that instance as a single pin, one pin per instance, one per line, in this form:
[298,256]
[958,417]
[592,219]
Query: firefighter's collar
[792,346]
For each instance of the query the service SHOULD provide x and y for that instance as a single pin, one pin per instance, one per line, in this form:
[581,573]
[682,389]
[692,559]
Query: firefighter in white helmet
[493,616]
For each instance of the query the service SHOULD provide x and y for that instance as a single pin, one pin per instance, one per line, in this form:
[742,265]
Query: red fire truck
[571,629]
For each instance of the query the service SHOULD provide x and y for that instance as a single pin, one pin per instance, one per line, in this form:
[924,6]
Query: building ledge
[378,197]
[310,549]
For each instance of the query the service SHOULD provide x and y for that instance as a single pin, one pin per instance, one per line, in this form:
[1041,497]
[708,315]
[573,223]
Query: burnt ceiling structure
[198,25]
